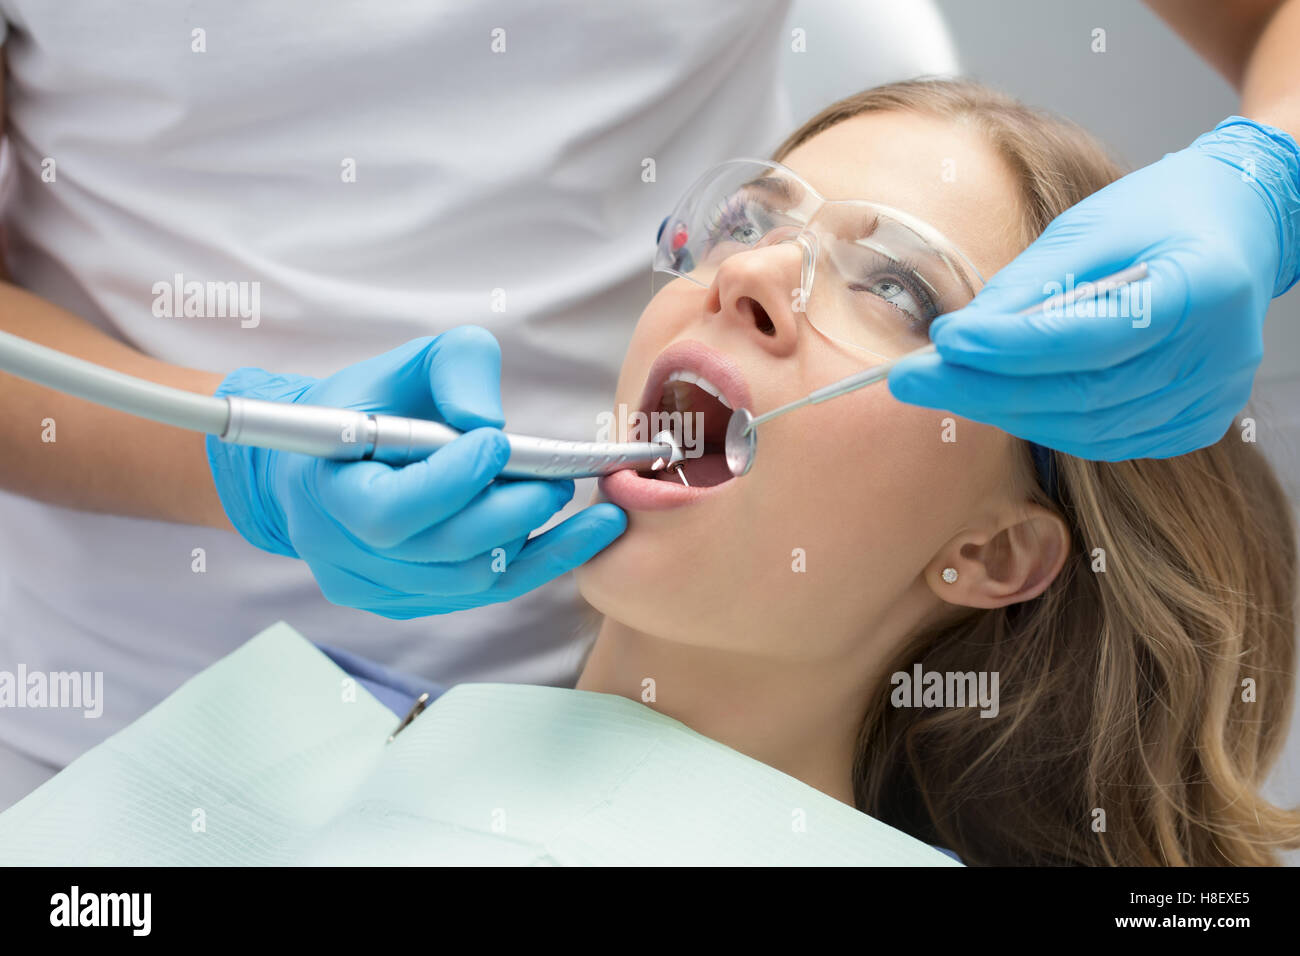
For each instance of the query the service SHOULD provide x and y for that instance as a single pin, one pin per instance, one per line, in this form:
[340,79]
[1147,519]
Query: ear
[1013,561]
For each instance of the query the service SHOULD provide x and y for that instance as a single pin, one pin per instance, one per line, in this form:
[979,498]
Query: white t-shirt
[495,146]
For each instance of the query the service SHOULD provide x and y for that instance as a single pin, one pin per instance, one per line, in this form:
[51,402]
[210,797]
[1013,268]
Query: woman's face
[833,532]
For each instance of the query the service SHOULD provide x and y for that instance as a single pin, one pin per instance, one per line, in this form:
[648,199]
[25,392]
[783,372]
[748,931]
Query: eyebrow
[777,185]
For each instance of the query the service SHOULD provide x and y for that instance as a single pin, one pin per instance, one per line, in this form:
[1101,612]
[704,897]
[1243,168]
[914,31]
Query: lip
[629,490]
[693,356]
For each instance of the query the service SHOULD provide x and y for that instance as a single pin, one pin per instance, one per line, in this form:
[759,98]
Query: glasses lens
[733,208]
[879,277]
[879,282]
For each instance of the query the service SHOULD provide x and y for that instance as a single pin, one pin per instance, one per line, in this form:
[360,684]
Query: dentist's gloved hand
[1218,223]
[416,540]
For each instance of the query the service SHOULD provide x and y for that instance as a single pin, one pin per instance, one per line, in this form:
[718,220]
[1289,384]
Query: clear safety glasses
[872,278]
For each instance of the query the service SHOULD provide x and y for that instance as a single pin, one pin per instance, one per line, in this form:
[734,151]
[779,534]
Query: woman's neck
[801,717]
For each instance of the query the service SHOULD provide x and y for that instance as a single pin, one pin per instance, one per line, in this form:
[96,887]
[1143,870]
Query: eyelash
[904,271]
[734,212]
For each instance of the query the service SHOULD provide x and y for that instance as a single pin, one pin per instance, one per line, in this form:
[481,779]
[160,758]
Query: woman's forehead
[938,170]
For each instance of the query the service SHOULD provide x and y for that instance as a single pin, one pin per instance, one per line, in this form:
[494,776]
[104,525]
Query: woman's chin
[643,572]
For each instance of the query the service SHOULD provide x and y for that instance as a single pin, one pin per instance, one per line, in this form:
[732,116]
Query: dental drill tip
[666,437]
[681,473]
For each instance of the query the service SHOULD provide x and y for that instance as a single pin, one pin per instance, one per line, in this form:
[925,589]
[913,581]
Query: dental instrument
[666,437]
[339,434]
[742,428]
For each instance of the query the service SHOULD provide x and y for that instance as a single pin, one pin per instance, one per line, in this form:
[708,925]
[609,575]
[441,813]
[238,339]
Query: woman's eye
[888,289]
[898,295]
[737,221]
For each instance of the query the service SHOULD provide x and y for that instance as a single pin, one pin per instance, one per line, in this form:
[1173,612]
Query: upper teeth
[699,381]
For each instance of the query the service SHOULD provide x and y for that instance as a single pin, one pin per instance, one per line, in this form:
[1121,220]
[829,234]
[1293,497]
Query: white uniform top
[214,141]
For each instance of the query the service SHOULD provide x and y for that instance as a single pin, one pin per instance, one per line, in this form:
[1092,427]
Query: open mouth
[691,391]
[696,411]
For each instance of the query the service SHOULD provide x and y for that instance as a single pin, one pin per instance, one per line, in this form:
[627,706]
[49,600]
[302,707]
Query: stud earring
[949,575]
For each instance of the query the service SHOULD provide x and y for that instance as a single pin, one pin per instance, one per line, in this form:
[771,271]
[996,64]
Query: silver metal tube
[400,440]
[340,434]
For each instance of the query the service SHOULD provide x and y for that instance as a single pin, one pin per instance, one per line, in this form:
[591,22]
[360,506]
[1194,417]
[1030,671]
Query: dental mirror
[742,442]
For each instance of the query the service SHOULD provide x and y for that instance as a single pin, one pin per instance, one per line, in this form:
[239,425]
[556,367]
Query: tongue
[703,472]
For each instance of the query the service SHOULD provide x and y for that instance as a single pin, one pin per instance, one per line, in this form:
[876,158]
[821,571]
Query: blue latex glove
[1218,225]
[416,540]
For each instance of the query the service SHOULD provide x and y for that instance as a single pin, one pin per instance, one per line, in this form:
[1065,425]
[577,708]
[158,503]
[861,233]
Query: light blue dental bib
[274,755]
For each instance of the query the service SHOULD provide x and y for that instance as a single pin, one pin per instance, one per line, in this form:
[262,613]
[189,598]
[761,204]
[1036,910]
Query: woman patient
[1134,620]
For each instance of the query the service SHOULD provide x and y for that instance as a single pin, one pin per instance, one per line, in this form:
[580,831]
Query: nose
[760,291]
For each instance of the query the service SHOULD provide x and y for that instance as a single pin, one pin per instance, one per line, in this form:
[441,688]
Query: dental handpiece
[316,430]
[339,434]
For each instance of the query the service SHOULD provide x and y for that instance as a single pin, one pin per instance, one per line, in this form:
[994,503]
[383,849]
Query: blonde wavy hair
[1127,691]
